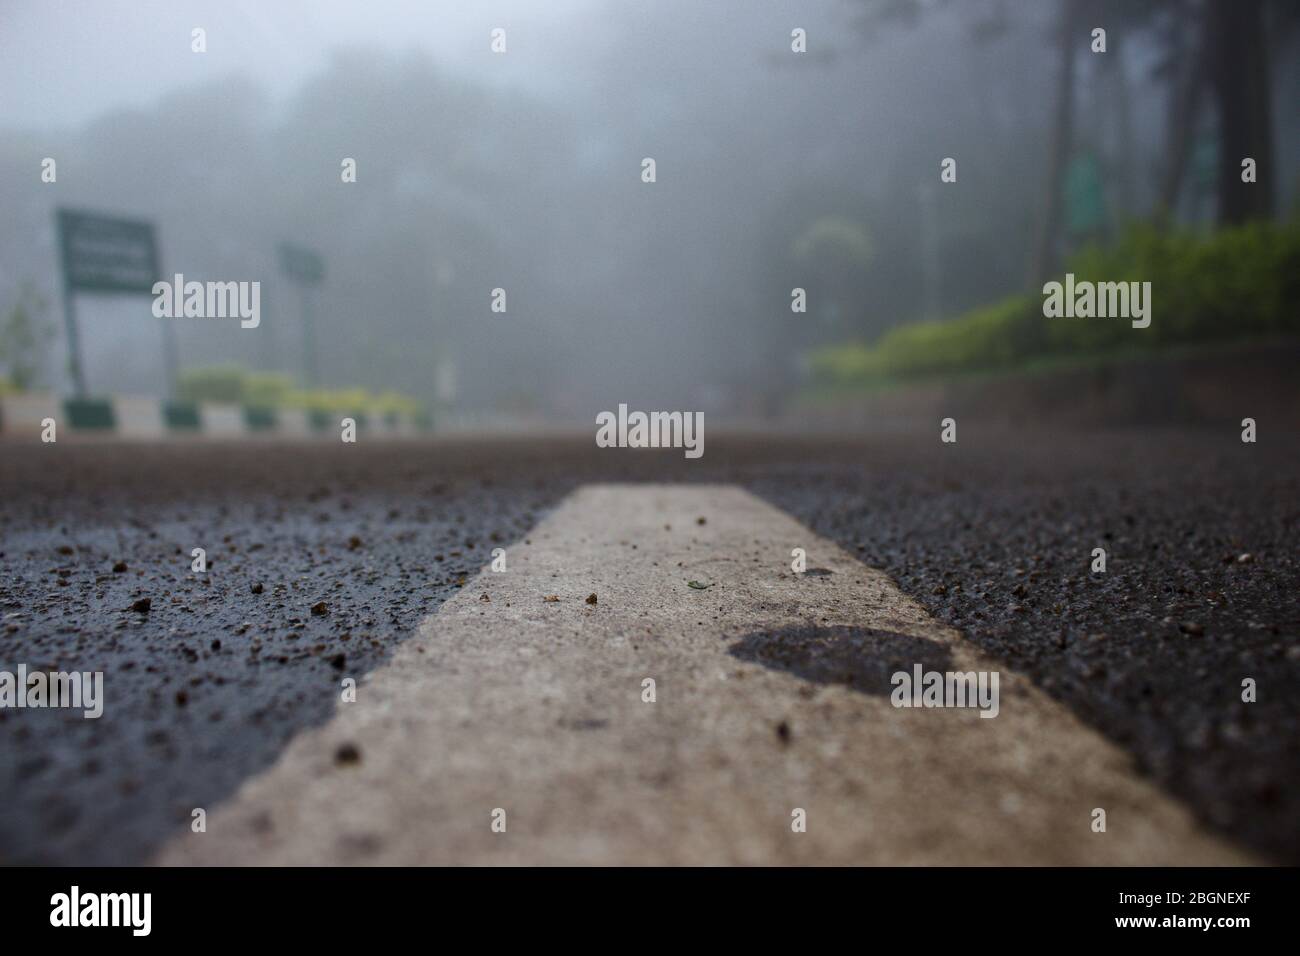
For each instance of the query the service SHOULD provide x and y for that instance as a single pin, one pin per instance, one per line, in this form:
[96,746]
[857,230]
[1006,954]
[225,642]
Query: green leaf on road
[698,586]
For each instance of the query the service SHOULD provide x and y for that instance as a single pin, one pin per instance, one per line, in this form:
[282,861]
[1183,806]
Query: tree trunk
[1120,90]
[1239,65]
[1043,263]
[1182,120]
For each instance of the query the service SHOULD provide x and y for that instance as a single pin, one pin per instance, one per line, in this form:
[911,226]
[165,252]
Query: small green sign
[301,264]
[1085,205]
[103,254]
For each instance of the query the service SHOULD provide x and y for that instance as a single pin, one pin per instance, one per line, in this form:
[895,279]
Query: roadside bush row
[233,385]
[1239,283]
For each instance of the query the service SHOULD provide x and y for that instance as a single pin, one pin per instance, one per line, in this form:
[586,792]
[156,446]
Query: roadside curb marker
[145,418]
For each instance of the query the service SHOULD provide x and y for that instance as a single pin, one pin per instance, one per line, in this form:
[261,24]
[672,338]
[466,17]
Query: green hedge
[235,385]
[1238,283]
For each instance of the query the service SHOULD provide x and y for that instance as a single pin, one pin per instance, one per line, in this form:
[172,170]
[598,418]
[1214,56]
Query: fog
[522,171]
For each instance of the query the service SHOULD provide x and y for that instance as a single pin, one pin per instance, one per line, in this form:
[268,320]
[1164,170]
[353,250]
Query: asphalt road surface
[368,561]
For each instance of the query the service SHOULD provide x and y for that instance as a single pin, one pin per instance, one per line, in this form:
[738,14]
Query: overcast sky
[129,54]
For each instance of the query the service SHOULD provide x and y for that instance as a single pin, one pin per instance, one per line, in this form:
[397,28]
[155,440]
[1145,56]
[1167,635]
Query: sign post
[106,254]
[305,268]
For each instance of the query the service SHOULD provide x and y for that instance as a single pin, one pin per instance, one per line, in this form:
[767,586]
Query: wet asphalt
[322,558]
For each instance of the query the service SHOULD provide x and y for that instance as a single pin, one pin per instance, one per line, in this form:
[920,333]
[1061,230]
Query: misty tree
[1220,53]
[25,337]
[835,251]
[1239,67]
[1212,62]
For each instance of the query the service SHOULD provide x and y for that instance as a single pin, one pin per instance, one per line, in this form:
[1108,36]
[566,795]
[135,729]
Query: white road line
[535,707]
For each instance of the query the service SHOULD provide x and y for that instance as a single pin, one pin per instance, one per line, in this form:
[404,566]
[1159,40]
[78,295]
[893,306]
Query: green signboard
[301,264]
[1085,204]
[106,254]
[103,254]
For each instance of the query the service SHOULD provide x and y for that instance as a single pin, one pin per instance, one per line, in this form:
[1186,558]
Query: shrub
[1237,283]
[233,385]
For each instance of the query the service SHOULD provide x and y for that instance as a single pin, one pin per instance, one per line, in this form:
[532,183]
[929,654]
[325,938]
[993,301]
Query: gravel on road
[321,558]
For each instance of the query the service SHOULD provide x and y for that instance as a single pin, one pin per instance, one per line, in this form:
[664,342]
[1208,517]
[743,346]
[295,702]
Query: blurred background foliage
[1238,283]
[777,171]
[25,337]
[234,385]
